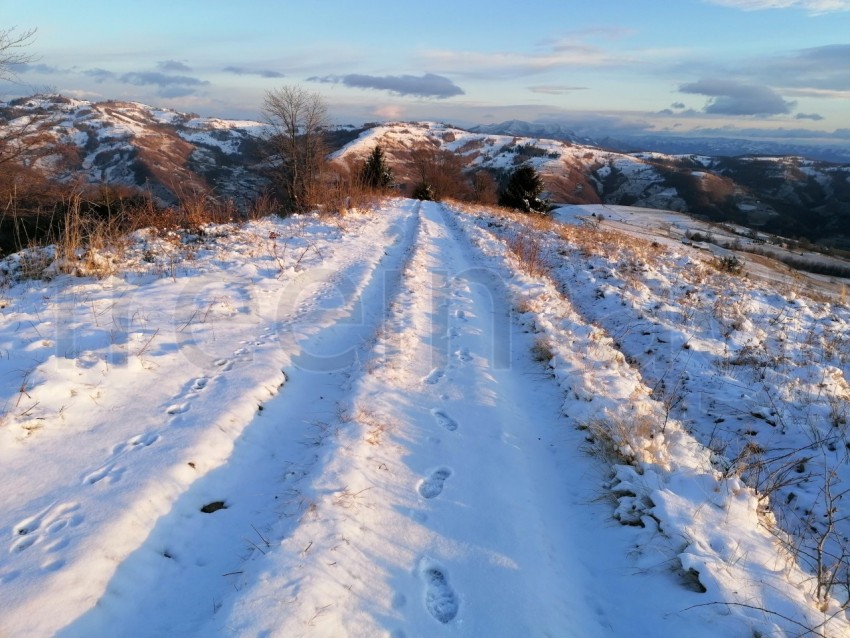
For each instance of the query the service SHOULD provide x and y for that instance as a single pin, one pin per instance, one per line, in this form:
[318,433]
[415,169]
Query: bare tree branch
[13,51]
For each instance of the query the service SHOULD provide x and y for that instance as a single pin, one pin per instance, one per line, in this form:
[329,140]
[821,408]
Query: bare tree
[299,122]
[485,190]
[19,136]
[13,51]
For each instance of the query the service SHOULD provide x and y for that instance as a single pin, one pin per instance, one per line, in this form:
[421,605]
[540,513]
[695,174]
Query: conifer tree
[523,191]
[376,172]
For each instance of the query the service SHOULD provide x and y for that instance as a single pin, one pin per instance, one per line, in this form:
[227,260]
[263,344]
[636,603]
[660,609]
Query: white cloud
[555,89]
[727,97]
[812,6]
[427,85]
[817,93]
[509,64]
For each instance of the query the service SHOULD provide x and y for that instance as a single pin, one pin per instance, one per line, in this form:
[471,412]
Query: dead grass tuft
[541,351]
[627,438]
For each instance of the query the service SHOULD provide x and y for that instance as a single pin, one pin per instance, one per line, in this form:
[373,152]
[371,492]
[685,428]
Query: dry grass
[375,428]
[529,252]
[589,239]
[627,438]
[541,350]
[731,312]
[524,306]
[88,245]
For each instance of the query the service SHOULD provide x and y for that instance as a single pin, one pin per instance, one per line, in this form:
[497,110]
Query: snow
[720,359]
[217,123]
[380,424]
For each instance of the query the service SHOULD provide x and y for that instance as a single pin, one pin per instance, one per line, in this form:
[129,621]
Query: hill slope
[280,429]
[132,144]
[789,196]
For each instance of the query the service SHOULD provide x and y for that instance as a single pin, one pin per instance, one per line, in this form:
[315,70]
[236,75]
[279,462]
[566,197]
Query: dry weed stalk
[627,438]
[89,245]
[529,253]
[375,428]
[541,350]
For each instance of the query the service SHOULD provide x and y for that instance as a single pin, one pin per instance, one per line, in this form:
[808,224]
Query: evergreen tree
[376,173]
[523,191]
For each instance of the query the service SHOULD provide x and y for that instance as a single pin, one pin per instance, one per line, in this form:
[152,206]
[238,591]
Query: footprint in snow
[225,365]
[433,485]
[57,545]
[444,420]
[200,384]
[23,544]
[53,564]
[440,599]
[45,525]
[177,408]
[143,440]
[136,443]
[463,355]
[110,471]
[460,314]
[434,376]
[8,577]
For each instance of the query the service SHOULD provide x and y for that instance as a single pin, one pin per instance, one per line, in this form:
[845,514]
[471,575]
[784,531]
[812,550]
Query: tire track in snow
[446,509]
[669,473]
[187,551]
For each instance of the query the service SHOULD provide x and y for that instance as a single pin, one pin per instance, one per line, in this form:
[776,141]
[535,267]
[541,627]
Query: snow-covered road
[445,504]
[360,443]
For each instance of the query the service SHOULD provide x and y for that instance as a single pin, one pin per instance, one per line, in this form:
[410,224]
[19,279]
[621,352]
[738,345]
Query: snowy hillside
[790,196]
[132,144]
[422,421]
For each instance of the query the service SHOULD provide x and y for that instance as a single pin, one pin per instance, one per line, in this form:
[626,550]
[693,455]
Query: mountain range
[169,153]
[675,144]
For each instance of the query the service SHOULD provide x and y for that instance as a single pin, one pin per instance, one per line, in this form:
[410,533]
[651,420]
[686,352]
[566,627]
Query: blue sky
[778,68]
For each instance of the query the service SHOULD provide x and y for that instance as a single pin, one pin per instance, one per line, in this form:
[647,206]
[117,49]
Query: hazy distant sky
[620,65]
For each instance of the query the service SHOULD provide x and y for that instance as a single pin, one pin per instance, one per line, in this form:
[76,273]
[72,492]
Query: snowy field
[671,228]
[404,423]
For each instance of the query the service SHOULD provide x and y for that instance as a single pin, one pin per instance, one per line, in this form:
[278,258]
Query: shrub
[528,251]
[729,264]
[423,191]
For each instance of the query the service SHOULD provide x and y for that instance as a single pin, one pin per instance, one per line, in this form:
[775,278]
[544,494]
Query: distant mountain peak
[549,130]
